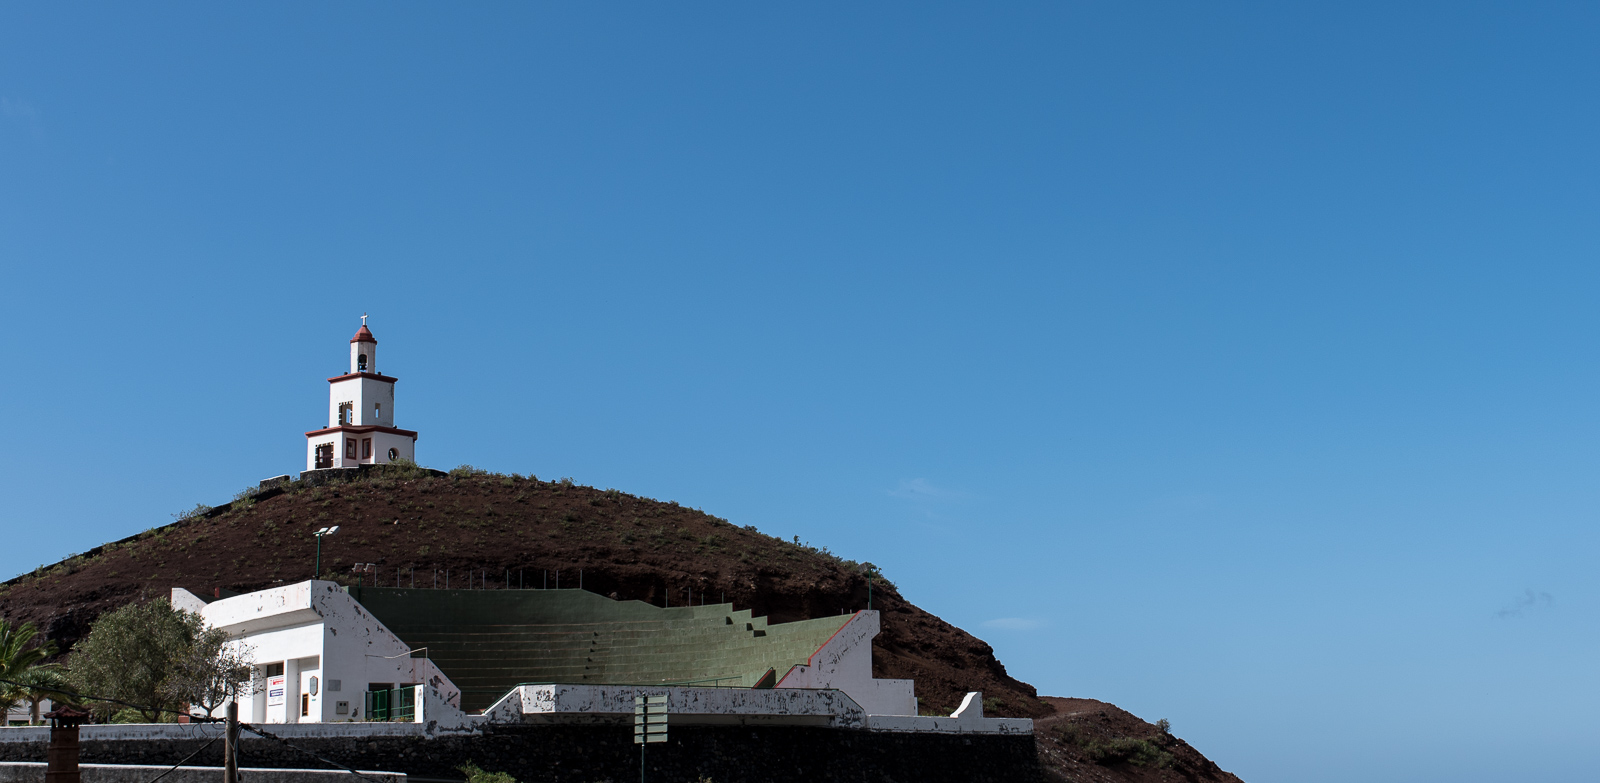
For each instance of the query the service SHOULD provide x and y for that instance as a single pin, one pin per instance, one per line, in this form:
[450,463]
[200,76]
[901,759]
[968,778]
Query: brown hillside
[1092,741]
[477,525]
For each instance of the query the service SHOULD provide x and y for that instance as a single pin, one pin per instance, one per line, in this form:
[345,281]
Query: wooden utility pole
[230,745]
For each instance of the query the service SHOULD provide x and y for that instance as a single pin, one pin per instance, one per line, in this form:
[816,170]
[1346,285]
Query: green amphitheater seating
[489,641]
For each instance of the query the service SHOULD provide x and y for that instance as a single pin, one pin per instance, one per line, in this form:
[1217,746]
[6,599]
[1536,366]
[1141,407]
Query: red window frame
[349,448]
[366,448]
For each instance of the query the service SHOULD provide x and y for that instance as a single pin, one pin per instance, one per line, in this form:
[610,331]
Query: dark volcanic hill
[479,527]
[490,528]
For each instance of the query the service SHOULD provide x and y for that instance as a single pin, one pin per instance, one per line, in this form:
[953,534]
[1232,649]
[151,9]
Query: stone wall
[592,754]
[33,772]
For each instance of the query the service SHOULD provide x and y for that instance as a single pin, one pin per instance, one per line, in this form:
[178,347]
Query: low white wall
[190,731]
[713,706]
[607,703]
[967,719]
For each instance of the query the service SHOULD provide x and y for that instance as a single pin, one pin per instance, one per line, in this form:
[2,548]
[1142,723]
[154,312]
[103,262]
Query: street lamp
[327,531]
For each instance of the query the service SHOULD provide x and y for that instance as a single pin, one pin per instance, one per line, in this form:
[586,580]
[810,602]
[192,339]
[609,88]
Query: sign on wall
[275,689]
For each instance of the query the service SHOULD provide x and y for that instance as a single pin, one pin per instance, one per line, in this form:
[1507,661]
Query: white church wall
[371,401]
[405,447]
[312,442]
[379,403]
[341,392]
[370,349]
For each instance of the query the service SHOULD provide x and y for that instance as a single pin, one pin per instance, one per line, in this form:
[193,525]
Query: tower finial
[363,319]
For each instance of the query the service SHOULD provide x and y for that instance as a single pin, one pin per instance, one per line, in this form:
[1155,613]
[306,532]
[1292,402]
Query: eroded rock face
[66,628]
[503,531]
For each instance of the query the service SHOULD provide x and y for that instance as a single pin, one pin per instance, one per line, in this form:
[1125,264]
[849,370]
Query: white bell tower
[360,427]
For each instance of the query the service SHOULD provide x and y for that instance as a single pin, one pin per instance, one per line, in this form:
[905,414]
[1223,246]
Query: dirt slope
[1088,741]
[479,527]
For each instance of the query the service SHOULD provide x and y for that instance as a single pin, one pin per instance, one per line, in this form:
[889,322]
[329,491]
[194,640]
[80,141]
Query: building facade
[316,653]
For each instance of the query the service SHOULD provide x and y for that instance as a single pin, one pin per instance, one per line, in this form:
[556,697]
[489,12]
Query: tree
[212,673]
[131,654]
[160,659]
[46,681]
[18,656]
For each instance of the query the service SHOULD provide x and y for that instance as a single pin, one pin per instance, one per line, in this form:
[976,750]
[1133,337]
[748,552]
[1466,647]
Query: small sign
[649,719]
[275,688]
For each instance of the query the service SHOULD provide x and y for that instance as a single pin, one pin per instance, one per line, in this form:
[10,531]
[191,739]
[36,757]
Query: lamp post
[327,531]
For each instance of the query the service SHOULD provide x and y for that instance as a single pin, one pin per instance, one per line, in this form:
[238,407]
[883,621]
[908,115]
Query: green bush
[198,511]
[475,774]
[1138,752]
[403,468]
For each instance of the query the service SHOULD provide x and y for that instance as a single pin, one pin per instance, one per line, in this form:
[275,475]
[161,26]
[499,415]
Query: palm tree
[45,681]
[18,656]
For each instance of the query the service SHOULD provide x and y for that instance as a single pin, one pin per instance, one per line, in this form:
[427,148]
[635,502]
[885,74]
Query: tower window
[324,456]
[349,448]
[347,413]
[361,362]
[377,413]
[366,448]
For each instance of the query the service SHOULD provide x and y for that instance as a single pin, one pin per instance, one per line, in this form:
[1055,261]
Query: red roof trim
[361,428]
[372,375]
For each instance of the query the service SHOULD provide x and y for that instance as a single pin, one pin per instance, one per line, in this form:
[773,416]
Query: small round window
[394,454]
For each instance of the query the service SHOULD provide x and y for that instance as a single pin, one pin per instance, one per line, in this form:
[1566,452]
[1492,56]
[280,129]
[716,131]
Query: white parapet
[967,719]
[741,706]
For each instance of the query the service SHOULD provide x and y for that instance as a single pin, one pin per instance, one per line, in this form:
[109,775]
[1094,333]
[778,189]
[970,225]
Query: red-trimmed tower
[360,427]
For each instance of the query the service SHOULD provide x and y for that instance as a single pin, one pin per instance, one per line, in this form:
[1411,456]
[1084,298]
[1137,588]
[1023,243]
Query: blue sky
[1232,363]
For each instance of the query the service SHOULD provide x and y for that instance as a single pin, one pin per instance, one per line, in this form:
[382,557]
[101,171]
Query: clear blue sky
[1232,363]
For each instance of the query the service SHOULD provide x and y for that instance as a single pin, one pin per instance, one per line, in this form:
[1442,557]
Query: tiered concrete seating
[489,641]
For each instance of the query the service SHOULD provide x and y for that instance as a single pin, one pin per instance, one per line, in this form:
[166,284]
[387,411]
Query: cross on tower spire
[363,319]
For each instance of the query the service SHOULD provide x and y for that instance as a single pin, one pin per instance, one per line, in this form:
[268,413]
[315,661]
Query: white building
[320,656]
[21,714]
[360,427]
[316,651]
